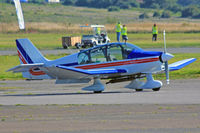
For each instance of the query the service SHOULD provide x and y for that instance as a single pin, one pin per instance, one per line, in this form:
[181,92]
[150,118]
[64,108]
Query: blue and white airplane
[114,61]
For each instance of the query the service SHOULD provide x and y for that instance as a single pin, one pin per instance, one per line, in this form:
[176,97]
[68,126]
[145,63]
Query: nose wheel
[138,85]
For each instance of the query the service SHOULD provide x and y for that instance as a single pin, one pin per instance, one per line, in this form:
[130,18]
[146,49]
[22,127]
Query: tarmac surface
[42,92]
[43,107]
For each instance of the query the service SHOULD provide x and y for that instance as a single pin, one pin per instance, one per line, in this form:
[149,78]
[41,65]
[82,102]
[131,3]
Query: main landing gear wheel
[97,91]
[156,89]
[138,89]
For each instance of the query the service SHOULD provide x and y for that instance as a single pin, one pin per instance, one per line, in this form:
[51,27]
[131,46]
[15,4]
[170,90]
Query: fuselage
[113,55]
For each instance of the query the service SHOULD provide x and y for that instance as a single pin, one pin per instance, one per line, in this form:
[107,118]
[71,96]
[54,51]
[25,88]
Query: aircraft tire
[97,91]
[156,89]
[138,89]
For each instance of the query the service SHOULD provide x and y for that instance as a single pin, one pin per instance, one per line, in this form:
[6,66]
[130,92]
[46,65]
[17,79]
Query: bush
[190,11]
[197,16]
[125,6]
[113,9]
[155,6]
[68,2]
[166,14]
[156,14]
[175,8]
[82,3]
[143,16]
[135,4]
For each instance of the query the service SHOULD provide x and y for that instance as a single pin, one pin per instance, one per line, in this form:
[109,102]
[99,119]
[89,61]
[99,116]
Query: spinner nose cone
[166,56]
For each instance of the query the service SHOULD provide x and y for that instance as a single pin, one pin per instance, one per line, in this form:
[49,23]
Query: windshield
[130,47]
[106,53]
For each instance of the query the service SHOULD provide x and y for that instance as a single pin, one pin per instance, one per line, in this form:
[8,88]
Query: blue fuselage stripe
[26,56]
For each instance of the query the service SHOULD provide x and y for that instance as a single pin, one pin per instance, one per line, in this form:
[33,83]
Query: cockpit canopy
[106,53]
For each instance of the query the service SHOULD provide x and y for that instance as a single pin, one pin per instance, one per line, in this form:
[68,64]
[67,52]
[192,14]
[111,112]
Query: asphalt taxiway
[43,92]
[43,107]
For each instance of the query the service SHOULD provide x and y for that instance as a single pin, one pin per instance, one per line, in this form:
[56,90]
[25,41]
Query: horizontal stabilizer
[180,64]
[25,67]
[94,72]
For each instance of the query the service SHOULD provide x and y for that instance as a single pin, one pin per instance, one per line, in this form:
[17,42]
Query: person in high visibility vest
[154,32]
[118,28]
[98,30]
[124,33]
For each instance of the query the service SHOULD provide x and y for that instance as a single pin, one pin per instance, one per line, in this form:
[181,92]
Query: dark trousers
[154,38]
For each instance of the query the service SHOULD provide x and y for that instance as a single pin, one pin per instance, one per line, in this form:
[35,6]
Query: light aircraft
[114,61]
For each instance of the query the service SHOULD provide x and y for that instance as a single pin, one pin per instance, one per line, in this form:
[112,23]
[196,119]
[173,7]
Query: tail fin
[29,54]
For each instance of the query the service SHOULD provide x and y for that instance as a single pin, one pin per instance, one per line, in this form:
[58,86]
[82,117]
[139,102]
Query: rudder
[29,54]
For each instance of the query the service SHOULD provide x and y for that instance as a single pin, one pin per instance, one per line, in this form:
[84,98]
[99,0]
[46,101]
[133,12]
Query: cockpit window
[130,47]
[114,52]
[98,55]
[105,53]
[83,58]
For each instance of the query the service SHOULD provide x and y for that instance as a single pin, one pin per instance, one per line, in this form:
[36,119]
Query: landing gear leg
[96,87]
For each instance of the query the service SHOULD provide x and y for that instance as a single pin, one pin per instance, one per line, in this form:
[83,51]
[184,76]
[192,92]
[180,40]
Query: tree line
[187,8]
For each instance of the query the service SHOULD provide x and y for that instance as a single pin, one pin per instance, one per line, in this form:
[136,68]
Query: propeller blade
[167,57]
[167,71]
[165,48]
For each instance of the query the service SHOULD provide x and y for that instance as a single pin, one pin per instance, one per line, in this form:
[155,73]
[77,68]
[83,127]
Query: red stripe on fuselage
[38,73]
[118,63]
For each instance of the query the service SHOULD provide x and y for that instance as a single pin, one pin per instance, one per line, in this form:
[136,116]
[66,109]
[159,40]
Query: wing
[180,64]
[25,67]
[93,71]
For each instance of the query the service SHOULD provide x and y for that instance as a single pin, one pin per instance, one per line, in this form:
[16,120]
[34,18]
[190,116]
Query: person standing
[124,33]
[154,32]
[98,31]
[118,28]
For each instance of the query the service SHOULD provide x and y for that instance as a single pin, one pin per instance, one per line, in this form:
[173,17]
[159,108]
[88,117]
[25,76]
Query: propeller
[166,60]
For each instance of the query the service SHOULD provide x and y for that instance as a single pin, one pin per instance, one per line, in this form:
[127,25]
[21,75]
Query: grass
[59,18]
[11,61]
[133,27]
[191,71]
[143,40]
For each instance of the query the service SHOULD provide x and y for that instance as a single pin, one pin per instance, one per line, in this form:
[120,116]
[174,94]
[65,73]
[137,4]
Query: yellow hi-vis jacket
[98,31]
[124,31]
[118,28]
[154,30]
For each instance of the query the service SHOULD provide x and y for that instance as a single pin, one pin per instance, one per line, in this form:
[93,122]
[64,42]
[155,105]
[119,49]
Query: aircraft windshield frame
[106,53]
[130,46]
